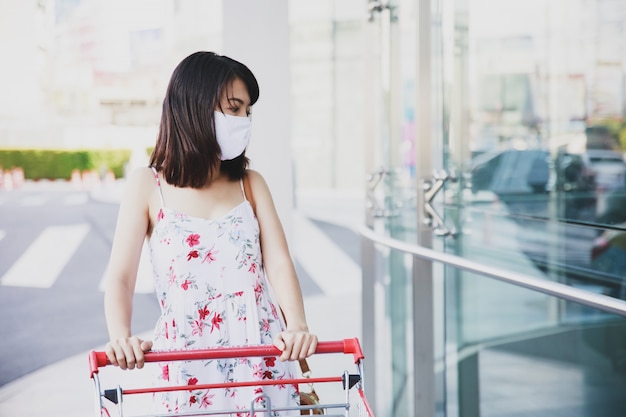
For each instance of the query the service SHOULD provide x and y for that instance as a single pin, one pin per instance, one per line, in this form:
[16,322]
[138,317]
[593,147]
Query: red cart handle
[346,346]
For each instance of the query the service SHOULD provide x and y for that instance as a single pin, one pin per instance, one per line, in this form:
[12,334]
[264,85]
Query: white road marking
[144,284]
[45,258]
[327,264]
[32,201]
[2,234]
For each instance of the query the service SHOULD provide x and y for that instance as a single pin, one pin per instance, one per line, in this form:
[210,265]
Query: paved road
[54,245]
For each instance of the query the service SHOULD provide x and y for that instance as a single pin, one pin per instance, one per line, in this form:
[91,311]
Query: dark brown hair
[186,150]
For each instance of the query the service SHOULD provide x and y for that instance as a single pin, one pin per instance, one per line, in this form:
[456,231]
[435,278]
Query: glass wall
[535,127]
[542,122]
[516,111]
[509,354]
[505,354]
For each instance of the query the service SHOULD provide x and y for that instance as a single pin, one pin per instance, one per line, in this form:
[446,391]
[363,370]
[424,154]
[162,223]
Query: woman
[214,233]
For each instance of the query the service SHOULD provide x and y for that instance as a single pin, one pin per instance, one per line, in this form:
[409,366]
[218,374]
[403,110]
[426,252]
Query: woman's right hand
[127,352]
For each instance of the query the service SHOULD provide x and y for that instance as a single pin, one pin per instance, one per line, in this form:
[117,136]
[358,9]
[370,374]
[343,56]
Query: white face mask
[232,134]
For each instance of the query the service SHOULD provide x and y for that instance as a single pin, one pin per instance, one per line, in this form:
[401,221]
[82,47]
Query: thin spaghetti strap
[245,185]
[243,190]
[158,181]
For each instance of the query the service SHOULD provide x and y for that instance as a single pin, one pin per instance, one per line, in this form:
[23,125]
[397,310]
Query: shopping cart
[352,385]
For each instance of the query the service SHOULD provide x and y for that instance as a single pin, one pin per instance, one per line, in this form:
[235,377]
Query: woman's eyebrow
[237,100]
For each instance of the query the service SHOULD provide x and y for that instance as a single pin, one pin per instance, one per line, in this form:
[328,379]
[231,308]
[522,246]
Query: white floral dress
[212,290]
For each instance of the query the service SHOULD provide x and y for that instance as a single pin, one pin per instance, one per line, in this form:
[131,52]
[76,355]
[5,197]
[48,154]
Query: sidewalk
[65,389]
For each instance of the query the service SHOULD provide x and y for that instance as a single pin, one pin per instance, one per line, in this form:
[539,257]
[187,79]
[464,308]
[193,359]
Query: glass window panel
[532,355]
[545,113]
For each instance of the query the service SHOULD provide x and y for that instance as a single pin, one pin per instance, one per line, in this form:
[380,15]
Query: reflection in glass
[535,107]
[546,134]
[528,108]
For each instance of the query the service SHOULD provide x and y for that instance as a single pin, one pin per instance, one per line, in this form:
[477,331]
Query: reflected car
[608,253]
[518,176]
[609,167]
[608,256]
[511,171]
[536,188]
[586,195]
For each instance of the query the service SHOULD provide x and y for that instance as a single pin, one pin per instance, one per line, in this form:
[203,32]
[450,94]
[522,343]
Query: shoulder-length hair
[186,150]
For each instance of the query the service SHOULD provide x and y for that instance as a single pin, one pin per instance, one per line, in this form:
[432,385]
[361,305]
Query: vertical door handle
[431,217]
[372,204]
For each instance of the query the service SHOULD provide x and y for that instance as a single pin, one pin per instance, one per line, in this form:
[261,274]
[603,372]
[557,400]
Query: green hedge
[59,164]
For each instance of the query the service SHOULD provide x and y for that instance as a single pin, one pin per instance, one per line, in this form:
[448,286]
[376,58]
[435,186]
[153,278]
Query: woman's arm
[296,342]
[124,349]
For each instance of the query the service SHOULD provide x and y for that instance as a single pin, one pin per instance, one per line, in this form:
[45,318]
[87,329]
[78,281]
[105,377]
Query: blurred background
[489,132]
[94,74]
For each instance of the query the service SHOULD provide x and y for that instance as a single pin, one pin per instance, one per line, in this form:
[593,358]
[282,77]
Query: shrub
[613,128]
[59,164]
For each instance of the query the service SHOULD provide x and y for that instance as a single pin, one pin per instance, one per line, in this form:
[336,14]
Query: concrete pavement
[65,389]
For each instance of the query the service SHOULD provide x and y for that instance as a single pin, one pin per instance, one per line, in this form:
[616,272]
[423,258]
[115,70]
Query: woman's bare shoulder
[255,178]
[259,187]
[142,175]
[140,182]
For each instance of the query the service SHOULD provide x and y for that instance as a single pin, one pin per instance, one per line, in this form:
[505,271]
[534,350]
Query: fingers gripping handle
[346,346]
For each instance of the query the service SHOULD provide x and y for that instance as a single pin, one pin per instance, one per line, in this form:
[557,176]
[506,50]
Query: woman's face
[235,99]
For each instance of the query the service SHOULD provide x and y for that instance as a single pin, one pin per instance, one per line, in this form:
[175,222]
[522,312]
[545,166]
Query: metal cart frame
[349,382]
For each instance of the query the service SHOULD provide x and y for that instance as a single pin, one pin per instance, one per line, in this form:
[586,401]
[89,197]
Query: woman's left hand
[295,345]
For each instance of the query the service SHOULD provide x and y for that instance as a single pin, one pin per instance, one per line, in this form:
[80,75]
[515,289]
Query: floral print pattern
[212,290]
